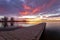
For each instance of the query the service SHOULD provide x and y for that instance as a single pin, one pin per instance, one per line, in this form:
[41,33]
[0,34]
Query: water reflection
[15,24]
[53,25]
[12,22]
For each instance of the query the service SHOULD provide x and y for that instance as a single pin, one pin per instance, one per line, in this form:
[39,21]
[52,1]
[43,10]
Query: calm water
[52,24]
[53,30]
[48,24]
[17,24]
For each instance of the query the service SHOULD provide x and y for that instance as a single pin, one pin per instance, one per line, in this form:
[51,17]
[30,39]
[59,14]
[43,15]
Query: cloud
[15,6]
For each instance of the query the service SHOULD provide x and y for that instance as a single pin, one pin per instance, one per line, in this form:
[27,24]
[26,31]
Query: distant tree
[5,19]
[12,21]
[2,19]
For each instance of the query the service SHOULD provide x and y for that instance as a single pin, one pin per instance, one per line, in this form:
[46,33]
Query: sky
[29,7]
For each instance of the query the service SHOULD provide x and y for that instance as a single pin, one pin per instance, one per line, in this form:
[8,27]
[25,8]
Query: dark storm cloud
[13,7]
